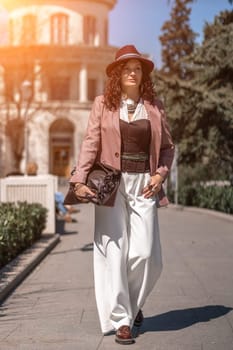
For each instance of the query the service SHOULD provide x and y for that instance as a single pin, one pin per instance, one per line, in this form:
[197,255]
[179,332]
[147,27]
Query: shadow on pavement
[61,227]
[179,319]
[66,233]
[86,248]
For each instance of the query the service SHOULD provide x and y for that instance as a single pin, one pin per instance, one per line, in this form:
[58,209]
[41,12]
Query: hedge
[21,224]
[218,198]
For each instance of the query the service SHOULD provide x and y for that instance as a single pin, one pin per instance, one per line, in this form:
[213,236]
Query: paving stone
[191,307]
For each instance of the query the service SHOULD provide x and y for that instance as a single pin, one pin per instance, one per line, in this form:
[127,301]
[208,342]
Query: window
[91,89]
[59,29]
[28,30]
[60,88]
[9,87]
[89,30]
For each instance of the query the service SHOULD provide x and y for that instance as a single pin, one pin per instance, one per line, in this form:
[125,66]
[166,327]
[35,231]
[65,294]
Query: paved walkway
[191,307]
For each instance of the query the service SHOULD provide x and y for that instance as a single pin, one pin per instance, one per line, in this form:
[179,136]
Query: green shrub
[218,198]
[21,224]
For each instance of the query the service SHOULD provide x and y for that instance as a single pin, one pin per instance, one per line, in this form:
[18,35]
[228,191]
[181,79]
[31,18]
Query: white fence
[33,189]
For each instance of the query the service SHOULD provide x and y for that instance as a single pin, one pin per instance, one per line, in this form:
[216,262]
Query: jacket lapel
[154,117]
[116,121]
[156,131]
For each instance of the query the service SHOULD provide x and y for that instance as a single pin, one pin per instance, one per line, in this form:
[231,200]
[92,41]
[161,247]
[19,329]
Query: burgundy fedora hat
[126,53]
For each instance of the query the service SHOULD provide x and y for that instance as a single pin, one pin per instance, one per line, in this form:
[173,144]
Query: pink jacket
[103,142]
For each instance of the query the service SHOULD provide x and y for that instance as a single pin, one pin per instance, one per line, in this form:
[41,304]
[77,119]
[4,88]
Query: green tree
[201,109]
[211,100]
[177,39]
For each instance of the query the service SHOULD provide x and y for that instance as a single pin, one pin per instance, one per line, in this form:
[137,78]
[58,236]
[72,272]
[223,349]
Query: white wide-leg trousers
[127,253]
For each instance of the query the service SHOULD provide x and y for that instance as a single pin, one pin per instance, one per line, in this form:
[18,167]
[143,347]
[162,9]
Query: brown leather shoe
[139,319]
[124,336]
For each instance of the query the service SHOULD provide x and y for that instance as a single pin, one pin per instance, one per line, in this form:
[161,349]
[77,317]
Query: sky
[139,22]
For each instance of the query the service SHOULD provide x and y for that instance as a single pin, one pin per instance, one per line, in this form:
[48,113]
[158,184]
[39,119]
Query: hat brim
[148,64]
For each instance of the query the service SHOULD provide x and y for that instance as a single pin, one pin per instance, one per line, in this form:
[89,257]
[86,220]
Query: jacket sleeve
[91,143]
[167,147]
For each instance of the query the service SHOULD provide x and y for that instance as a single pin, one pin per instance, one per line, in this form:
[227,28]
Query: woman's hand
[82,192]
[154,186]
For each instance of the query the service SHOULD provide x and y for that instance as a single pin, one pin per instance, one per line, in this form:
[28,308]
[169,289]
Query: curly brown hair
[113,92]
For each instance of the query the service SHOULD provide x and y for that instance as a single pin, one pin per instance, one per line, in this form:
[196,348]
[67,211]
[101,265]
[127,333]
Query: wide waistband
[135,156]
[132,166]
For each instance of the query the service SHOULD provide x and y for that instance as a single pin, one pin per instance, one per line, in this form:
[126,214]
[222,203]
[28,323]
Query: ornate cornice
[11,5]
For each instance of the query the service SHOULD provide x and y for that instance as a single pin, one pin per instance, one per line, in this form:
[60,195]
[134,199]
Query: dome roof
[15,4]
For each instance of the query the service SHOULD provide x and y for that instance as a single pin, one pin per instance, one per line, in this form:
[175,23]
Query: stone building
[52,65]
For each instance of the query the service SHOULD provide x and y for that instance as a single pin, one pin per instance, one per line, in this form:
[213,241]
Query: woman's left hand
[153,187]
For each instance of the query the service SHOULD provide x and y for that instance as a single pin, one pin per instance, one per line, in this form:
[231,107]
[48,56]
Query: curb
[15,272]
[217,214]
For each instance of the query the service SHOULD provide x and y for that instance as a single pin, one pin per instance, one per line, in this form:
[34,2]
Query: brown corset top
[135,145]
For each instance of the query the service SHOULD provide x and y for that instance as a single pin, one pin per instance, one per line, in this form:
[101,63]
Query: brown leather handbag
[103,180]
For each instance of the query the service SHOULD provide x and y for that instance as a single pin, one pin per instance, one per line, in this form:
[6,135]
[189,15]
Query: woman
[127,130]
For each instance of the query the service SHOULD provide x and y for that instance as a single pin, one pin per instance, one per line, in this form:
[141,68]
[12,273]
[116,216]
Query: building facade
[52,65]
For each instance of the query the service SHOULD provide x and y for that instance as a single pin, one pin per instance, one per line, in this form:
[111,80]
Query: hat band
[128,55]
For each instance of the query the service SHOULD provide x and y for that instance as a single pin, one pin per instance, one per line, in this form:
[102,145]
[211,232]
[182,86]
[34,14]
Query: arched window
[28,30]
[59,29]
[61,147]
[89,30]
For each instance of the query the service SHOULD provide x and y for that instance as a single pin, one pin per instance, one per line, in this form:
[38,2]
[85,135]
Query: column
[83,83]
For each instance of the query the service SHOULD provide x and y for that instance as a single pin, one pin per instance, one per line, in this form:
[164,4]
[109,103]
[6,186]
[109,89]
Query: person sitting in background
[64,211]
